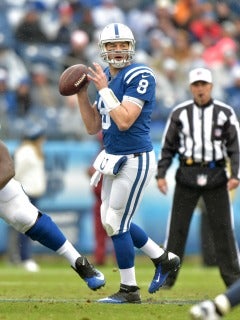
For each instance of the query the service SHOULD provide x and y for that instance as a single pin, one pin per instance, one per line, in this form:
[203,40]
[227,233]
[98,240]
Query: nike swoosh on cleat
[109,300]
[100,276]
[158,278]
[145,75]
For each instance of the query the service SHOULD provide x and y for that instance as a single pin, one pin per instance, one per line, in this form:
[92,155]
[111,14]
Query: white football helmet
[117,32]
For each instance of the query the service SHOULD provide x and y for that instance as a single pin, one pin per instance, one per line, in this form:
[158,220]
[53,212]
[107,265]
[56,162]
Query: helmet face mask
[117,32]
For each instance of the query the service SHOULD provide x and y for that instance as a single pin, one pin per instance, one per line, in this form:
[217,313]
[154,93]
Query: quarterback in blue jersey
[122,110]
[135,83]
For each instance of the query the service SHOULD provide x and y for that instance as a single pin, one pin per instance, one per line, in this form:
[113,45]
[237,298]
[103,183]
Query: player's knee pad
[109,230]
[112,221]
[16,208]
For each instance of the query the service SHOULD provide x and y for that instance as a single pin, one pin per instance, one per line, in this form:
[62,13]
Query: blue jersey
[137,81]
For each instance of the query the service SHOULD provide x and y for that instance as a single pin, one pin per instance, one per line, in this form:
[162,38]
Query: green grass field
[56,293]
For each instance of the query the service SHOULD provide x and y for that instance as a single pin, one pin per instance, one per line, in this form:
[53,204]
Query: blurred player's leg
[48,234]
[18,211]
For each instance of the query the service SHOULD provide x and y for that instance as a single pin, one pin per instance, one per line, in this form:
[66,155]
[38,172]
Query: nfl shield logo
[202,179]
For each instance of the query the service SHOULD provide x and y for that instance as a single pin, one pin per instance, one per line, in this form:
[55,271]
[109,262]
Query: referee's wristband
[110,100]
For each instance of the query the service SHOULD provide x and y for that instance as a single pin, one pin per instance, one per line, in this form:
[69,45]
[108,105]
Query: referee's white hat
[200,74]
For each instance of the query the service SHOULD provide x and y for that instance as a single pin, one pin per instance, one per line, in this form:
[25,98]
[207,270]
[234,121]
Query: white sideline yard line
[13,300]
[2,300]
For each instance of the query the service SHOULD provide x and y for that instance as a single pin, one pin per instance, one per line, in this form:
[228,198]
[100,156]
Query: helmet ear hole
[117,32]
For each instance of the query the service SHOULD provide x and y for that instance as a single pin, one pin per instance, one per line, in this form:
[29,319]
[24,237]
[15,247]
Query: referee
[204,133]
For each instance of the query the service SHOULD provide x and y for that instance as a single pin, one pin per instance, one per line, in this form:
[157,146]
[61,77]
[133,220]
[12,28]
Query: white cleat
[205,310]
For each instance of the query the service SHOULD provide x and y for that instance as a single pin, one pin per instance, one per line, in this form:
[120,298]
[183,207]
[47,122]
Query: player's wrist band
[110,100]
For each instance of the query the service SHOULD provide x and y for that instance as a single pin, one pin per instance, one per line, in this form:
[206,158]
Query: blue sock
[124,250]
[139,237]
[47,233]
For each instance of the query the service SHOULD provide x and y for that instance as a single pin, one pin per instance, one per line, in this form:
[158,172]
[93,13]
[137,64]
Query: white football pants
[122,194]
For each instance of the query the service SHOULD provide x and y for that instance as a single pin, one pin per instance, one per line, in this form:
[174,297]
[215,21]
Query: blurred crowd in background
[40,38]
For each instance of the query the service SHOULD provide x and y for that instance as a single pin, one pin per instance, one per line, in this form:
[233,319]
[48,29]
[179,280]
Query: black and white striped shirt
[203,134]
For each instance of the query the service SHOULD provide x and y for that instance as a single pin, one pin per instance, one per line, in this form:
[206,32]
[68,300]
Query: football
[73,79]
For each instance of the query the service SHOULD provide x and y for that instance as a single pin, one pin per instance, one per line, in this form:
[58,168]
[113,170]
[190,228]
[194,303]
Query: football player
[17,210]
[122,110]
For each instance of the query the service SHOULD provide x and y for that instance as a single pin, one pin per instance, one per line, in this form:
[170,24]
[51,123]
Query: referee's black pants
[218,207]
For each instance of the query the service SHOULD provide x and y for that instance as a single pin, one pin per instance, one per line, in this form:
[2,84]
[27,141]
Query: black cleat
[126,294]
[93,277]
[168,263]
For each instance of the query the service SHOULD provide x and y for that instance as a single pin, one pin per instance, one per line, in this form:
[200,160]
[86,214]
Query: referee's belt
[189,162]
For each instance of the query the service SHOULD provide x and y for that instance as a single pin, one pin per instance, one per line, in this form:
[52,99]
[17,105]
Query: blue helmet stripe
[116,29]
